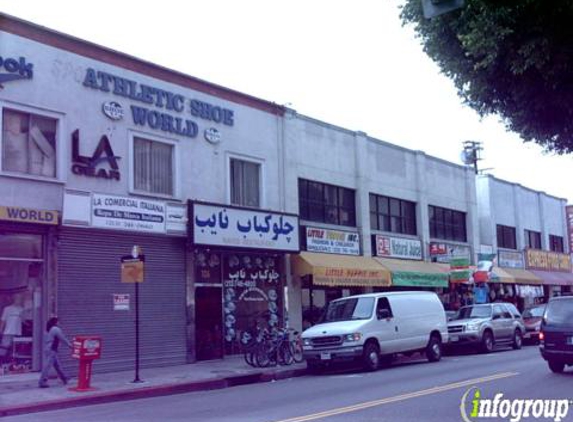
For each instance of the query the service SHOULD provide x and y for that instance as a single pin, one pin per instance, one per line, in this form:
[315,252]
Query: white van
[376,326]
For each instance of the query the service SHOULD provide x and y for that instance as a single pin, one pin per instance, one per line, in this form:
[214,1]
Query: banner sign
[396,247]
[510,259]
[26,215]
[444,252]
[332,241]
[218,225]
[547,261]
[460,269]
[126,213]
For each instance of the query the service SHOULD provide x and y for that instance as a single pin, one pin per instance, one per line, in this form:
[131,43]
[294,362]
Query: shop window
[532,239]
[28,143]
[153,166]
[555,243]
[245,183]
[392,215]
[447,224]
[506,237]
[325,203]
[21,269]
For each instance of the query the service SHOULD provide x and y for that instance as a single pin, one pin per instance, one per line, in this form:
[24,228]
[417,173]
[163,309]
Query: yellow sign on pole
[132,269]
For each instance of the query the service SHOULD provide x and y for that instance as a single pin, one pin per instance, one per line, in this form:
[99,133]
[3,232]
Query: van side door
[386,328]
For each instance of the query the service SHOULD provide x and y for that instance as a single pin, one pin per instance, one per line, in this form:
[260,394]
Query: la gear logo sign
[12,69]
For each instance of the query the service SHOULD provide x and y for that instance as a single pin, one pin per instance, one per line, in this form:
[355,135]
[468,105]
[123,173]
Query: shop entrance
[209,329]
[21,274]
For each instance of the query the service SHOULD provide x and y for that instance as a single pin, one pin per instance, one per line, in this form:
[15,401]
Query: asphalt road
[410,390]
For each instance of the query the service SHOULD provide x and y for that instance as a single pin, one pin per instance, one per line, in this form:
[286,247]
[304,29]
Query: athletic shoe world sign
[12,69]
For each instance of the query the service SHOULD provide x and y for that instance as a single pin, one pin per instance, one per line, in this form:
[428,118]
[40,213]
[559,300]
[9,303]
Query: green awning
[416,273]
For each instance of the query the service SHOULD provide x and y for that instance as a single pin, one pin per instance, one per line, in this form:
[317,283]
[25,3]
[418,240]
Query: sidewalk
[20,394]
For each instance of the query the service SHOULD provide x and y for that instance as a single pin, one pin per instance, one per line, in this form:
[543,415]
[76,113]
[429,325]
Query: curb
[152,391]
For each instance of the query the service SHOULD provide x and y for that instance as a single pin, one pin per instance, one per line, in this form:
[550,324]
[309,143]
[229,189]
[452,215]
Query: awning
[521,276]
[554,278]
[340,270]
[500,276]
[416,273]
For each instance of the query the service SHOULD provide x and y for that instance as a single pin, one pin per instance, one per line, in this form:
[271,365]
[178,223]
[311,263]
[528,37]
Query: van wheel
[517,340]
[487,342]
[434,349]
[556,366]
[371,356]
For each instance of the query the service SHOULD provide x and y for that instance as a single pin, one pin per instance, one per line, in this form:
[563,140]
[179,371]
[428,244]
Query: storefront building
[100,153]
[389,205]
[525,230]
[239,275]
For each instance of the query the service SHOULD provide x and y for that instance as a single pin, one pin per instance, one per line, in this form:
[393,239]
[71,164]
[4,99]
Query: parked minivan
[556,335]
[376,326]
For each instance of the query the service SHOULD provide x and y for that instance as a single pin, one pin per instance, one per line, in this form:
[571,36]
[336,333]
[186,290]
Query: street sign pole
[137,379]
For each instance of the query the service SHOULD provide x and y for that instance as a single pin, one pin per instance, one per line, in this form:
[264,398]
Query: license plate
[325,356]
[454,338]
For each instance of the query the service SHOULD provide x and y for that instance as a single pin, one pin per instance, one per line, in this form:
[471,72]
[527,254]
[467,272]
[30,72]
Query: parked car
[451,315]
[375,327]
[487,325]
[532,318]
[556,336]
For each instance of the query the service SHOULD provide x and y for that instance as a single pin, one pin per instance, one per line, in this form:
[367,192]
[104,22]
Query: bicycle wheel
[249,356]
[262,356]
[284,354]
[296,351]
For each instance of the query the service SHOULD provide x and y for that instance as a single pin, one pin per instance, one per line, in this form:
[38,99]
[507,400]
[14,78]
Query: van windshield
[349,309]
[474,312]
[560,312]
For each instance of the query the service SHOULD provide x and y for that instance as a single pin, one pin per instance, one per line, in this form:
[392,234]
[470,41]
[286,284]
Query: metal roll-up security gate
[89,274]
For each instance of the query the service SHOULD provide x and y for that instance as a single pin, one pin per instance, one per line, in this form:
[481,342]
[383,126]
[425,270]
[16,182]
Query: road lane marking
[401,397]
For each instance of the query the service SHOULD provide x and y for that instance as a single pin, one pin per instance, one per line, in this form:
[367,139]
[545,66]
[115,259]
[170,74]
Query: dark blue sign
[16,69]
[162,99]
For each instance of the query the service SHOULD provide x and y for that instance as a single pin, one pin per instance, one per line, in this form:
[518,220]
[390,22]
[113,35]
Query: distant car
[487,325]
[556,336]
[532,318]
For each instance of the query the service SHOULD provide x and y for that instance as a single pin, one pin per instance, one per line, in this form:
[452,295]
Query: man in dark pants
[51,344]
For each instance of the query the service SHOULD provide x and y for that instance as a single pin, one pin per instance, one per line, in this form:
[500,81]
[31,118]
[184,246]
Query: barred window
[245,183]
[153,166]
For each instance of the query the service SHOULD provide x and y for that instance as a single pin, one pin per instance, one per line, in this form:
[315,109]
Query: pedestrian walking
[54,336]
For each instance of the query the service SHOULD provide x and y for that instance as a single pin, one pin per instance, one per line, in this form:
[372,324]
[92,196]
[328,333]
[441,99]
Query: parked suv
[486,325]
[556,336]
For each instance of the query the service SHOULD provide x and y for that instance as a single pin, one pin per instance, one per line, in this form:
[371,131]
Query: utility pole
[471,154]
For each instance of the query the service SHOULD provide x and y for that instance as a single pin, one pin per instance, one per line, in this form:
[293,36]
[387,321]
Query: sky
[351,64]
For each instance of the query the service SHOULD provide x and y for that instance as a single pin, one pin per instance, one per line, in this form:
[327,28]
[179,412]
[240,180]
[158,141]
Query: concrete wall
[510,204]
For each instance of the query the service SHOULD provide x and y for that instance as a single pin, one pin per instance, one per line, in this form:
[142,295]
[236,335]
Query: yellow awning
[523,276]
[500,276]
[340,270]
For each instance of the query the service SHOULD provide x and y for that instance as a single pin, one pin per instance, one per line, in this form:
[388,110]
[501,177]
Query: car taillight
[541,336]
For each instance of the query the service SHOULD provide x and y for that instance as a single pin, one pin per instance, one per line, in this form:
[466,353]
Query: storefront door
[209,328]
[21,282]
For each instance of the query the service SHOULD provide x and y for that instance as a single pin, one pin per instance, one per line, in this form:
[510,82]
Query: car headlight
[353,337]
[473,326]
[306,342]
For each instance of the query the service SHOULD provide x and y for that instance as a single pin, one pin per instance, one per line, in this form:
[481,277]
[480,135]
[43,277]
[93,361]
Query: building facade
[525,233]
[373,216]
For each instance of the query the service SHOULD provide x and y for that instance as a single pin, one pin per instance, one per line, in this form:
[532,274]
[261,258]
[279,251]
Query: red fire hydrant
[86,349]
